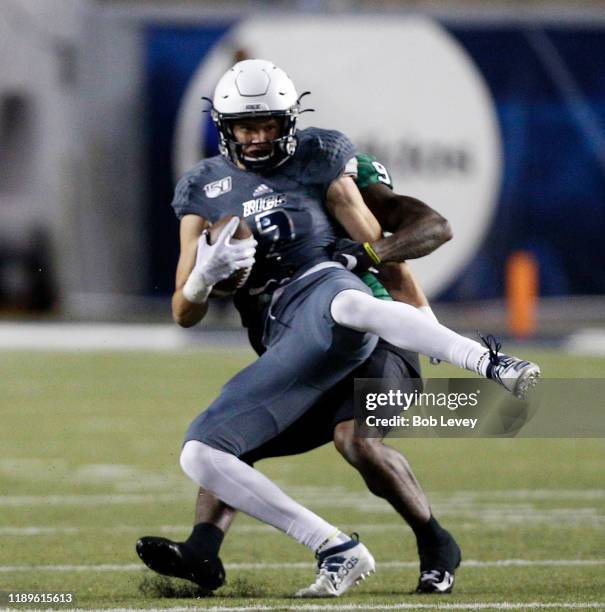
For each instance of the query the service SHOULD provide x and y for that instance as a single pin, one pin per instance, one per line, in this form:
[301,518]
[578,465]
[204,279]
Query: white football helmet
[256,88]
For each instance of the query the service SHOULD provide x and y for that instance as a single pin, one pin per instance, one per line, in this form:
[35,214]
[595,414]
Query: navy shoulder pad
[325,153]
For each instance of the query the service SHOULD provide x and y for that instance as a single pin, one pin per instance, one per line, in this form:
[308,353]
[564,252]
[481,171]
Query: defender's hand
[355,256]
[215,262]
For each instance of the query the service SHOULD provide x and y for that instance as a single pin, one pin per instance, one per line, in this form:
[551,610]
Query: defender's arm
[402,284]
[417,229]
[347,205]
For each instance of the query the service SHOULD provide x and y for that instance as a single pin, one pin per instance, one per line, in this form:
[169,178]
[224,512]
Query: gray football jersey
[284,208]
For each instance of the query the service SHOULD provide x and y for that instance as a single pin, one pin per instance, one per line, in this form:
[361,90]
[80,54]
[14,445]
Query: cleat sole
[526,383]
[363,577]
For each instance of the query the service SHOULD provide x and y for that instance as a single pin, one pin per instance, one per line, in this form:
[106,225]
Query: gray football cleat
[339,568]
[515,375]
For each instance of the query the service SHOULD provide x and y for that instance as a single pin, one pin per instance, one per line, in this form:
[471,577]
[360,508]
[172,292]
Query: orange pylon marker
[522,288]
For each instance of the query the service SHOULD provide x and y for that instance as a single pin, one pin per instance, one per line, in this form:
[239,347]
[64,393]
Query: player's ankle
[482,364]
[205,540]
[334,540]
[430,534]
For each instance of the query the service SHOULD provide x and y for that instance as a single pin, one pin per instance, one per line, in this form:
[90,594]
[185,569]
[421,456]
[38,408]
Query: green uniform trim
[378,289]
[371,172]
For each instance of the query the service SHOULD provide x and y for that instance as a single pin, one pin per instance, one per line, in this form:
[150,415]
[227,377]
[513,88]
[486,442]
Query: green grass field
[89,463]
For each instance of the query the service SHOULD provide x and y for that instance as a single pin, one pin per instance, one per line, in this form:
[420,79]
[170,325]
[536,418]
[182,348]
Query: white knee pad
[354,309]
[196,461]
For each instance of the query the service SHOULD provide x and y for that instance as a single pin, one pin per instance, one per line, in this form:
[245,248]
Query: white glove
[215,262]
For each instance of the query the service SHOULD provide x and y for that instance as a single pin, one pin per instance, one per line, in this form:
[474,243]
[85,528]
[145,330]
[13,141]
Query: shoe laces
[498,359]
[433,576]
[327,576]
[493,346]
[331,566]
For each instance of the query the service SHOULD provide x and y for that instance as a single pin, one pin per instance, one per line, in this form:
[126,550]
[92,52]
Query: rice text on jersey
[257,205]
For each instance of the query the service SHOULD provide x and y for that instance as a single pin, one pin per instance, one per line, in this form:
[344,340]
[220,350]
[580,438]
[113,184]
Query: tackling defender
[419,230]
[321,321]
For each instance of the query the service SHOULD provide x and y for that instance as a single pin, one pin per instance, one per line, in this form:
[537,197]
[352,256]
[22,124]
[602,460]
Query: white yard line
[182,529]
[505,605]
[521,500]
[573,517]
[470,507]
[90,500]
[65,336]
[36,531]
[131,567]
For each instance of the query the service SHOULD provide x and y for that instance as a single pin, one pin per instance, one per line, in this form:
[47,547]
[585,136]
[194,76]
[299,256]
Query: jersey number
[383,175]
[277,226]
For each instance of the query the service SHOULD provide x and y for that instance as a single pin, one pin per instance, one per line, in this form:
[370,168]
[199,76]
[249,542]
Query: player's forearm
[347,206]
[186,313]
[414,237]
[401,283]
[416,228]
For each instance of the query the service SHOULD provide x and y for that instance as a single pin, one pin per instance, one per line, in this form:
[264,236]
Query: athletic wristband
[372,254]
[195,290]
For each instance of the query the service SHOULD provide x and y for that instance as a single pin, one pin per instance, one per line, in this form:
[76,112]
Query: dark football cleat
[178,560]
[437,567]
[435,581]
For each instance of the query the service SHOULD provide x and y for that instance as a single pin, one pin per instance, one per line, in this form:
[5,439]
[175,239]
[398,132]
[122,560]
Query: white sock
[408,328]
[246,489]
[428,311]
[335,540]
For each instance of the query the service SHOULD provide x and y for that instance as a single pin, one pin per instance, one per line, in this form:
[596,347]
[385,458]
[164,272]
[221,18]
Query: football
[229,285]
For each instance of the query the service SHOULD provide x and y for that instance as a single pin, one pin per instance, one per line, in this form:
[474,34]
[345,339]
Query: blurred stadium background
[493,112]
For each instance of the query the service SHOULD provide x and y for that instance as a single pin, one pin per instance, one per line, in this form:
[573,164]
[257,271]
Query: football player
[419,230]
[321,320]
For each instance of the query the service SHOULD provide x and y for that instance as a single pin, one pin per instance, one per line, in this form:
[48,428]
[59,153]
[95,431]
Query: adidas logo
[262,189]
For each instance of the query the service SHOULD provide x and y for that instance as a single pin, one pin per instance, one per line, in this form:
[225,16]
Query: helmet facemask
[282,147]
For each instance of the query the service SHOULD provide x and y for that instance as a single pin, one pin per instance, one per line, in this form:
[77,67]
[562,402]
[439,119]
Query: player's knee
[355,449]
[195,460]
[352,308]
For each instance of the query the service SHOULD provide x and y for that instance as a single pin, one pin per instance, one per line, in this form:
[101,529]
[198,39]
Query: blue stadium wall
[552,195]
